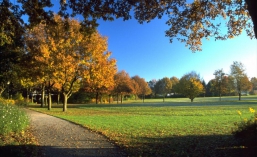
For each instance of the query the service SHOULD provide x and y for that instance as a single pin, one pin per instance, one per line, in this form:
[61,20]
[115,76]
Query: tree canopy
[189,21]
[66,57]
[239,77]
[190,85]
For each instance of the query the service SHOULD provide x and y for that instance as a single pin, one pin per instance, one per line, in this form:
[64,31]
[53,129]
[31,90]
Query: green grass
[12,119]
[174,128]
[16,139]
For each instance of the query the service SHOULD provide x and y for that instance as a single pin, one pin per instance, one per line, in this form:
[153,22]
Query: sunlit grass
[176,128]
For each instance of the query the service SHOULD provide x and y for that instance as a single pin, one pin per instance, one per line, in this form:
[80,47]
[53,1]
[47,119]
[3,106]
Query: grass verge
[16,139]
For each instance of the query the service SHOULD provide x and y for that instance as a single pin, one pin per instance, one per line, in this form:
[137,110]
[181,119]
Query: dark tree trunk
[96,98]
[121,98]
[27,94]
[252,6]
[43,95]
[49,100]
[192,100]
[239,96]
[58,98]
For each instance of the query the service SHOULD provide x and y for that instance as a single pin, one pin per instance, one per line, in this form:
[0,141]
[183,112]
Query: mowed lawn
[173,128]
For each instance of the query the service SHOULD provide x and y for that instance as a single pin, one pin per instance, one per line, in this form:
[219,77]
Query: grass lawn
[174,128]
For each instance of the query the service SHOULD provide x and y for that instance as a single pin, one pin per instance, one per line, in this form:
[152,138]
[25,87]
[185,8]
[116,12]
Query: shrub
[247,130]
[12,119]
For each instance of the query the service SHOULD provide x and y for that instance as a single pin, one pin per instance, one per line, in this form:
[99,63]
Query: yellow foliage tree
[65,57]
[190,86]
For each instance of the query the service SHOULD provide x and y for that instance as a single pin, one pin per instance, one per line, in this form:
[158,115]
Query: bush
[247,130]
[12,119]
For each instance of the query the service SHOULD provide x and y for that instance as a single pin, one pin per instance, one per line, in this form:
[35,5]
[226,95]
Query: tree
[122,84]
[189,21]
[152,84]
[163,86]
[254,85]
[141,87]
[239,77]
[64,57]
[190,85]
[219,74]
[174,81]
[101,73]
[204,87]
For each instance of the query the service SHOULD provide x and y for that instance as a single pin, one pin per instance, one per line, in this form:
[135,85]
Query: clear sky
[143,49]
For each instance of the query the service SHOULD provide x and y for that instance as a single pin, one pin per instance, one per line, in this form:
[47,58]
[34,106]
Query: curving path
[60,138]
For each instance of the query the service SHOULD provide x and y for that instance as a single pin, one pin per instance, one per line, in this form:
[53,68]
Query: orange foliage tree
[123,84]
[68,57]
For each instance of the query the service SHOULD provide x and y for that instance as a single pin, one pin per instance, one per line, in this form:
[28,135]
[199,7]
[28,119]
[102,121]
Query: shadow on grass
[176,146]
[49,151]
[192,146]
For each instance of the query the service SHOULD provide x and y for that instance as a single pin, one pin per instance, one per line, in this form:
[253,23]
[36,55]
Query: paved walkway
[60,138]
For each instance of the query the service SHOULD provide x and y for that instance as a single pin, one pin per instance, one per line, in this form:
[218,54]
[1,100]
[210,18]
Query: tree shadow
[192,146]
[175,146]
[49,151]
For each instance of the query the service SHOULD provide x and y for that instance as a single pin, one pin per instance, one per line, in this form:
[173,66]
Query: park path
[60,138]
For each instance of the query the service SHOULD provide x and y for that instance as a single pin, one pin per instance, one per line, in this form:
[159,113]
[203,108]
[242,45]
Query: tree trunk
[192,99]
[117,98]
[109,98]
[27,94]
[58,98]
[49,100]
[65,99]
[239,96]
[163,98]
[121,98]
[96,98]
[143,98]
[251,6]
[43,95]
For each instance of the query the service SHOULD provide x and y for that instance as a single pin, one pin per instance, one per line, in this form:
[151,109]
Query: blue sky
[143,49]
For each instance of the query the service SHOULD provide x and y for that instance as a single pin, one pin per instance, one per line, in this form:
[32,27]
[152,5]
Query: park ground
[176,127]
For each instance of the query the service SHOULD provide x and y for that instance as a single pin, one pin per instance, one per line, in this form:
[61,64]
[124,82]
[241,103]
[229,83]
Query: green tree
[174,82]
[190,85]
[152,84]
[239,77]
[163,86]
[219,83]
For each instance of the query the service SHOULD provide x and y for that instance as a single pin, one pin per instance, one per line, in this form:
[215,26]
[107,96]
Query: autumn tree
[141,86]
[163,86]
[240,79]
[101,72]
[190,85]
[122,84]
[174,81]
[254,85]
[64,57]
[190,21]
[219,81]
